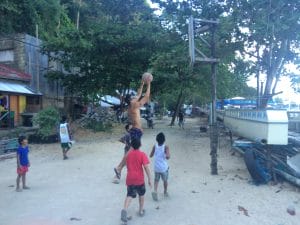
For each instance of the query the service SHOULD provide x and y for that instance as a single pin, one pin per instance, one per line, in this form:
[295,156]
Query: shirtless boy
[134,105]
[134,116]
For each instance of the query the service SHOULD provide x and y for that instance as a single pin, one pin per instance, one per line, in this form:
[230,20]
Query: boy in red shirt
[136,162]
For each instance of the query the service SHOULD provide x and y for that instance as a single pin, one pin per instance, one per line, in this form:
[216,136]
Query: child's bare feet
[154,196]
[124,215]
[142,213]
[26,188]
[166,194]
[116,180]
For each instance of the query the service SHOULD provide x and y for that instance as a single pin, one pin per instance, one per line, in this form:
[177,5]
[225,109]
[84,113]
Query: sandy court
[80,191]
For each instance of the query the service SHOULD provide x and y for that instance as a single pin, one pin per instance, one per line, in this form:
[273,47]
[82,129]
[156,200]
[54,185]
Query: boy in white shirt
[65,137]
[161,153]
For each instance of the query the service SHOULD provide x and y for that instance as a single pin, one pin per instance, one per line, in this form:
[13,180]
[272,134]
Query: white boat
[267,126]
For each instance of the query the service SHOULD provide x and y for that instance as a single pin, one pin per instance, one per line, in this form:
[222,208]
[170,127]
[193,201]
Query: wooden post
[37,58]
[270,164]
[214,128]
[207,26]
[9,119]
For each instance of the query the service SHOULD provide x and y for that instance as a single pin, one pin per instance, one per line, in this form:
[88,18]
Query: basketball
[147,77]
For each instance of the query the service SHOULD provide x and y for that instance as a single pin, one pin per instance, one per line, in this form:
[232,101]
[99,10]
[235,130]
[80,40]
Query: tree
[111,51]
[172,74]
[270,31]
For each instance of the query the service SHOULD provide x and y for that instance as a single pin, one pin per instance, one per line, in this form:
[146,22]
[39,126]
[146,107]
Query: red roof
[13,74]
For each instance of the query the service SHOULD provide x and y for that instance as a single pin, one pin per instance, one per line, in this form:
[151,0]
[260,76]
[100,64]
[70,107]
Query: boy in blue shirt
[22,162]
[125,140]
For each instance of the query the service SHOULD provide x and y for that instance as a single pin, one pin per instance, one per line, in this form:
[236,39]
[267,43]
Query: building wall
[12,51]
[22,103]
[14,107]
[38,65]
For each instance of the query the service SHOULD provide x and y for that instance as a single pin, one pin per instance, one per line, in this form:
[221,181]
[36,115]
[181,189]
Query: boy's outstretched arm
[152,152]
[140,90]
[146,98]
[147,170]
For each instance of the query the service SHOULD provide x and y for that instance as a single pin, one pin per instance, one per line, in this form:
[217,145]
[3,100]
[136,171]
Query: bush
[47,120]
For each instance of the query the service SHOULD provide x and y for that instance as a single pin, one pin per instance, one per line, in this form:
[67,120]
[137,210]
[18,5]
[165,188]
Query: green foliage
[264,33]
[295,80]
[23,16]
[110,51]
[117,40]
[47,120]
[270,33]
[173,65]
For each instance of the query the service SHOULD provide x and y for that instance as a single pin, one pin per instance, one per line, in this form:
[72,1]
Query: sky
[284,85]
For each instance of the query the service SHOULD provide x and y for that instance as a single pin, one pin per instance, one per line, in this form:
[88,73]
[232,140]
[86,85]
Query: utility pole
[257,79]
[201,26]
[78,14]
[37,58]
[214,126]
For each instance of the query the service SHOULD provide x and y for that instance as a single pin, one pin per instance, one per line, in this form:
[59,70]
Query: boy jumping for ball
[134,105]
[134,116]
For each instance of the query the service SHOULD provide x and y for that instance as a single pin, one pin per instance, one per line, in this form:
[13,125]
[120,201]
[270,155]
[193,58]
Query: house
[15,96]
[23,64]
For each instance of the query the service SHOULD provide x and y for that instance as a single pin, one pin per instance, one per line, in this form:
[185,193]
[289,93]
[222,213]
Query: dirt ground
[79,191]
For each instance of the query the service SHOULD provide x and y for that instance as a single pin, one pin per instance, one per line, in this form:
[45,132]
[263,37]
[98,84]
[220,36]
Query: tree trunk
[178,104]
[68,105]
[267,91]
[275,68]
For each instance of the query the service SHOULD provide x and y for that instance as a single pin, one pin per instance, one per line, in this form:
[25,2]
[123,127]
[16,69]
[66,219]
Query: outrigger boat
[268,149]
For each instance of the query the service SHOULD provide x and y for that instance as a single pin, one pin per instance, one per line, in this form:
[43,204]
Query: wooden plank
[207,21]
[209,60]
[8,156]
[8,145]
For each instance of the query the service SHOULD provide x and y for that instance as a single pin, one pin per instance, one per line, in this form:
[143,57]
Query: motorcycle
[149,120]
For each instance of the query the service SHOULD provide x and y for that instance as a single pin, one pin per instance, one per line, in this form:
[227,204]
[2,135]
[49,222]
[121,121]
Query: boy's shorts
[133,189]
[135,133]
[164,176]
[22,170]
[66,145]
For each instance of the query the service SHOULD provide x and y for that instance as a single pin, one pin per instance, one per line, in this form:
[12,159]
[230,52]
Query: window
[33,100]
[6,56]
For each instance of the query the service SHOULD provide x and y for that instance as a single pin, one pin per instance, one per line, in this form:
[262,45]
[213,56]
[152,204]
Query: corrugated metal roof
[17,88]
[13,74]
